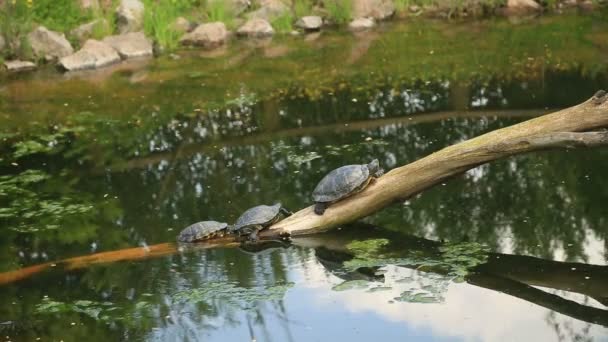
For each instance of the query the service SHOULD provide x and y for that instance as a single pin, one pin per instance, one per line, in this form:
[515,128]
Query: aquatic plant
[233,294]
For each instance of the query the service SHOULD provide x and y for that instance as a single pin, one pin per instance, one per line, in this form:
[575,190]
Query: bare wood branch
[566,128]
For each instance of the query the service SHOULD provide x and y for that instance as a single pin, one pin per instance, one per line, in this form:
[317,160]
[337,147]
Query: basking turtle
[202,231]
[257,218]
[343,182]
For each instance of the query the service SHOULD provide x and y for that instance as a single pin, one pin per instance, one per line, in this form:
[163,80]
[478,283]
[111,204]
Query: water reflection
[300,292]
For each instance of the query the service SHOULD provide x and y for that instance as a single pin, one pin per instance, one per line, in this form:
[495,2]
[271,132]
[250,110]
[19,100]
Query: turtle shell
[262,215]
[341,183]
[201,231]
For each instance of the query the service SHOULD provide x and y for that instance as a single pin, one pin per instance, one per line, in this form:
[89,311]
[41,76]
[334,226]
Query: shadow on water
[123,160]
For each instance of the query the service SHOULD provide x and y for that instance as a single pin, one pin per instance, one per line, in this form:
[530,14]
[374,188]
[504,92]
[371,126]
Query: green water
[128,156]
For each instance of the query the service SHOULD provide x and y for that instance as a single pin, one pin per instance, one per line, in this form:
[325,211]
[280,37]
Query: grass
[339,11]
[401,5]
[105,20]
[58,15]
[218,10]
[159,17]
[301,8]
[15,23]
[283,23]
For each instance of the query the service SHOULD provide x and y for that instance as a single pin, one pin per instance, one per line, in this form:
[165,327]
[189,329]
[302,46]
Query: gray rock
[14,66]
[256,28]
[85,31]
[130,45]
[48,44]
[361,24]
[94,54]
[130,16]
[269,10]
[181,24]
[310,23]
[376,9]
[210,35]
[522,6]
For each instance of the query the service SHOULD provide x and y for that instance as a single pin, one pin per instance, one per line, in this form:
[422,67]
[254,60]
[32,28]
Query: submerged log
[568,128]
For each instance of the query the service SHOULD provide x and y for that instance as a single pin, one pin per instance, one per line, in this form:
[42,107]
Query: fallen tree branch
[567,128]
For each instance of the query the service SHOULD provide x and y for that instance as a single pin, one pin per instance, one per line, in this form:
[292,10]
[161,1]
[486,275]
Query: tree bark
[567,128]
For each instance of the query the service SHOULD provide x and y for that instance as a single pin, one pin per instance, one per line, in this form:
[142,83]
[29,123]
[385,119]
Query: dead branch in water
[568,128]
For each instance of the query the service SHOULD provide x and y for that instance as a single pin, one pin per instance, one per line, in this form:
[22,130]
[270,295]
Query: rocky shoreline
[131,42]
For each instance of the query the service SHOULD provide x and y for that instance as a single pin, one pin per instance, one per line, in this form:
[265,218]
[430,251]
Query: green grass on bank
[19,17]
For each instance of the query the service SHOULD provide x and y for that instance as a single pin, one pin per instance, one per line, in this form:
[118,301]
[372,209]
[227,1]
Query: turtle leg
[320,207]
[253,236]
[379,173]
[286,212]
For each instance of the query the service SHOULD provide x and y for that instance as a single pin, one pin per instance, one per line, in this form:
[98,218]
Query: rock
[376,9]
[94,54]
[181,24]
[130,16]
[14,66]
[269,10]
[310,23]
[519,6]
[361,24]
[48,44]
[586,5]
[210,35]
[130,45]
[415,8]
[256,28]
[85,31]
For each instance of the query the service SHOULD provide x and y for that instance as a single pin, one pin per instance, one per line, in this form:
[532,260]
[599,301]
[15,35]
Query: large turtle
[202,231]
[343,182]
[257,218]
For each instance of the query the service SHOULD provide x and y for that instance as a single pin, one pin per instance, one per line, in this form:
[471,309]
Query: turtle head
[374,166]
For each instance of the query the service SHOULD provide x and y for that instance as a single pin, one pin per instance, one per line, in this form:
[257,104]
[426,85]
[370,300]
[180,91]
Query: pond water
[120,160]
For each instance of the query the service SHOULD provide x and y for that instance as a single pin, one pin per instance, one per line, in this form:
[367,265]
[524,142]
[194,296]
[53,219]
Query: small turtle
[257,218]
[202,231]
[343,182]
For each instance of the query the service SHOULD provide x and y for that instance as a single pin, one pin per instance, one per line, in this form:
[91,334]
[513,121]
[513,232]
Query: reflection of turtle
[333,261]
[264,247]
[343,182]
[202,231]
[257,218]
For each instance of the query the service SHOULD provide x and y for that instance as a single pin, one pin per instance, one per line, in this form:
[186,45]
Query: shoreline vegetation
[89,34]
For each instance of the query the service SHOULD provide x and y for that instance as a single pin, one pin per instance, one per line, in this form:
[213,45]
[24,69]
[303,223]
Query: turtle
[257,218]
[202,231]
[343,182]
